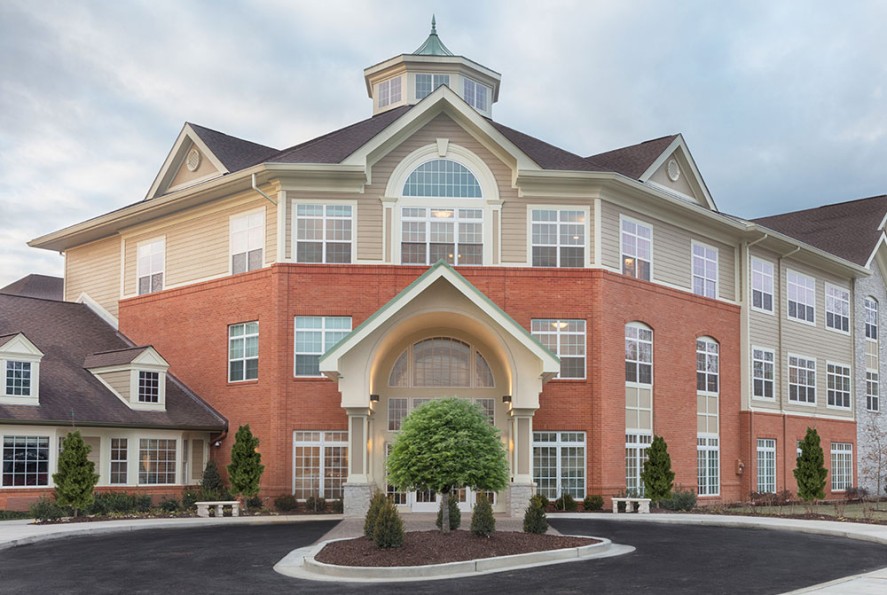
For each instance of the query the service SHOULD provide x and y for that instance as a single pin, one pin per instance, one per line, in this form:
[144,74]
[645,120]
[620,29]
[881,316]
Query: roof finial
[433,46]
[433,25]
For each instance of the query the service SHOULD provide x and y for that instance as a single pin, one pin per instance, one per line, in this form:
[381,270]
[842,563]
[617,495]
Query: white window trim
[877,325]
[244,358]
[321,444]
[559,444]
[323,331]
[849,308]
[751,299]
[717,279]
[709,340]
[632,383]
[140,273]
[708,448]
[586,211]
[787,298]
[378,92]
[788,376]
[873,397]
[850,391]
[768,450]
[558,333]
[652,247]
[231,253]
[134,402]
[844,452]
[52,462]
[752,374]
[138,451]
[294,232]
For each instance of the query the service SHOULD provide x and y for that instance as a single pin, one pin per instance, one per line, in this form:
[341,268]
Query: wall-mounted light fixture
[374,398]
[506,399]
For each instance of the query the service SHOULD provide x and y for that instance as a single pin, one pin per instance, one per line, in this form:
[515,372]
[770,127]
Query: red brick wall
[21,499]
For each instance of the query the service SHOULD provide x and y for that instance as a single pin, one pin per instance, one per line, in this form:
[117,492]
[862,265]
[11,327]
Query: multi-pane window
[315,335]
[394,495]
[488,408]
[119,459]
[636,446]
[566,339]
[427,83]
[705,270]
[243,351]
[324,233]
[476,94]
[442,178]
[708,463]
[706,366]
[638,354]
[247,241]
[389,91]
[397,412]
[149,387]
[801,379]
[558,238]
[559,464]
[763,373]
[872,391]
[801,296]
[18,378]
[837,308]
[441,361]
[838,385]
[157,461]
[766,466]
[637,249]
[452,235]
[762,285]
[842,466]
[871,319]
[25,461]
[320,461]
[149,266]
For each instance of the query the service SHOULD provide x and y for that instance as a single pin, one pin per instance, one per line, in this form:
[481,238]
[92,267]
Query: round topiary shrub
[593,502]
[455,513]
[388,532]
[483,523]
[286,503]
[315,504]
[566,503]
[535,520]
[376,504]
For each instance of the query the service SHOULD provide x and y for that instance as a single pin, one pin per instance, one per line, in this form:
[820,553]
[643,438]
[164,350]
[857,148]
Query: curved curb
[301,564]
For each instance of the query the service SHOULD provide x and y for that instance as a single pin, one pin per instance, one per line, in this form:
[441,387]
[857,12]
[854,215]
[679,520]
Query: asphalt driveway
[239,559]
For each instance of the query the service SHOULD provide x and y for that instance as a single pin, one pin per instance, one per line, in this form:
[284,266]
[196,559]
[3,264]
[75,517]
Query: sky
[782,104]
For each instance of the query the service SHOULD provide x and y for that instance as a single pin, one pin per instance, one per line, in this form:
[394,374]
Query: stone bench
[203,508]
[643,505]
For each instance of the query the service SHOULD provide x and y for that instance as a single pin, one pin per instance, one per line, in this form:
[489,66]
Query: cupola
[409,78]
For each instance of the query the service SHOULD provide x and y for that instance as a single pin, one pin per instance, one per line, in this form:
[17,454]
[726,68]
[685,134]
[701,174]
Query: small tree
[212,487]
[76,477]
[483,523]
[535,520]
[810,471]
[377,503]
[657,475]
[388,531]
[246,466]
[447,444]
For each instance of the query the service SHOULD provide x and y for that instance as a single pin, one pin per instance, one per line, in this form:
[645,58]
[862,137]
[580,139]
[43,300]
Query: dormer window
[20,369]
[136,375]
[476,94]
[18,378]
[149,387]
[427,83]
[389,92]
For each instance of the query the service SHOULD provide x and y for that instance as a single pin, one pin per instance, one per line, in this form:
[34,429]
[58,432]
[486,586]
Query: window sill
[236,383]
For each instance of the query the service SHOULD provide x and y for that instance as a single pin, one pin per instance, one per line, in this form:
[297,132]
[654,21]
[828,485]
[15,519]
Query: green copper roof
[433,46]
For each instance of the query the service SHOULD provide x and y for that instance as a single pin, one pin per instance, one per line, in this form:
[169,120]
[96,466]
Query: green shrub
[189,497]
[534,518]
[142,502]
[45,510]
[286,503]
[483,523]
[455,513]
[106,503]
[13,515]
[337,506]
[376,504]
[315,504]
[169,504]
[212,487]
[545,502]
[680,500]
[255,503]
[566,503]
[593,502]
[388,532]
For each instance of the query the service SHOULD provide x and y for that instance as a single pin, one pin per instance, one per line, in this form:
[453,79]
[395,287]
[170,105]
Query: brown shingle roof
[67,333]
[38,286]
[116,357]
[234,153]
[546,155]
[847,229]
[634,160]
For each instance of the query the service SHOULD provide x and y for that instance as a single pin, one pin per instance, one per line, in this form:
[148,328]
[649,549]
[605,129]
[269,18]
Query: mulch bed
[434,547]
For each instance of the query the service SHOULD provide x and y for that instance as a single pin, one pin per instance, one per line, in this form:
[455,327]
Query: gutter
[259,190]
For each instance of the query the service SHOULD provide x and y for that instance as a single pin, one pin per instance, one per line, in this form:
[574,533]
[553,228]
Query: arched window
[708,447]
[707,370]
[441,361]
[442,178]
[638,353]
[871,318]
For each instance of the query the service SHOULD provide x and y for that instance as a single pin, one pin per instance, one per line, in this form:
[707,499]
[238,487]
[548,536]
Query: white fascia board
[882,241]
[98,310]
[839,264]
[150,357]
[175,157]
[442,100]
[679,143]
[20,345]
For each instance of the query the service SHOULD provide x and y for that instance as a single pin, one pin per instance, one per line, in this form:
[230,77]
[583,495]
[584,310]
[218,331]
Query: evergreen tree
[657,475]
[76,477]
[810,471]
[376,505]
[246,466]
[535,520]
[483,523]
[212,487]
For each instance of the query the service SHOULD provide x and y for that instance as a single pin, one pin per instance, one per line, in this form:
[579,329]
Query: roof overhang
[680,145]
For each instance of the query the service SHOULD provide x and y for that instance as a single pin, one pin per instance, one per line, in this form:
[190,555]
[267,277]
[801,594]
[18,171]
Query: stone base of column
[356,498]
[519,498]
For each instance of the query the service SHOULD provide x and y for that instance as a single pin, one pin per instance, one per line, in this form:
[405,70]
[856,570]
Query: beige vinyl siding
[94,269]
[197,240]
[366,235]
[119,381]
[518,240]
[672,250]
[184,175]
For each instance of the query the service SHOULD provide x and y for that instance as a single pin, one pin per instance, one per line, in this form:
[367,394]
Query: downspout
[752,442]
[782,359]
[257,189]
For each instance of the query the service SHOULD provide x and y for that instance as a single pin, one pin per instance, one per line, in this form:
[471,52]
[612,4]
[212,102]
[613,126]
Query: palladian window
[441,361]
[442,178]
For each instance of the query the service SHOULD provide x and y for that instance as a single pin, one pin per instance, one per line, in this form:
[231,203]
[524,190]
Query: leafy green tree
[657,475]
[246,466]
[810,471]
[76,477]
[444,445]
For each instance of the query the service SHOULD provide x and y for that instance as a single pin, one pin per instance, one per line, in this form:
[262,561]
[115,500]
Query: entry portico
[439,337]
